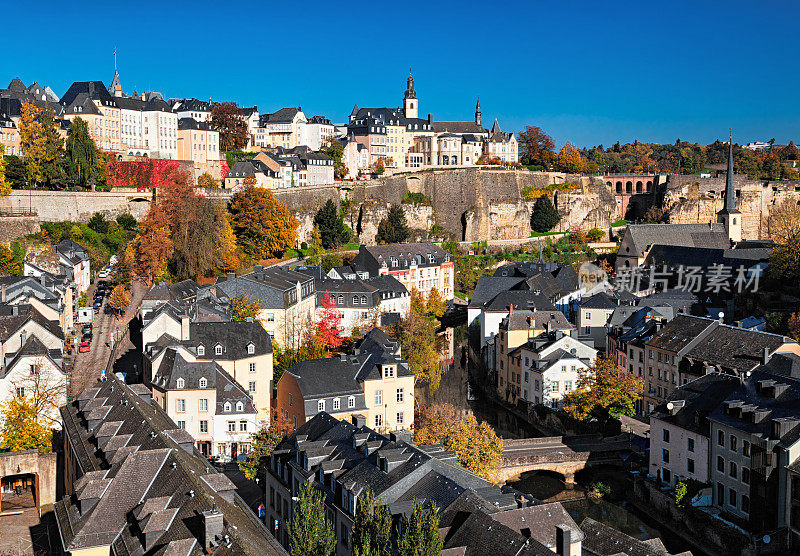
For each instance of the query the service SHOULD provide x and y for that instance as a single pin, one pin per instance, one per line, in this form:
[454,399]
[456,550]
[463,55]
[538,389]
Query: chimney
[3,294]
[213,528]
[564,541]
[765,356]
[22,337]
[185,328]
[14,310]
[259,268]
[358,420]
[231,275]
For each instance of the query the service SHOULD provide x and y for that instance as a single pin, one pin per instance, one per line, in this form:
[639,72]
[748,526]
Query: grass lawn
[619,223]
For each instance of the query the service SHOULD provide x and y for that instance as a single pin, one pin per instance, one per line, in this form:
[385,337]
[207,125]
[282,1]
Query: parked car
[84,347]
[103,274]
[87,328]
[87,337]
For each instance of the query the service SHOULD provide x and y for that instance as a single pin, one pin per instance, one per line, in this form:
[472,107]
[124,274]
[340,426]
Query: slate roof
[459,128]
[488,287]
[183,290]
[269,286]
[688,235]
[598,301]
[699,398]
[524,320]
[33,347]
[11,323]
[150,474]
[521,300]
[372,258]
[677,333]
[191,123]
[95,90]
[233,336]
[601,540]
[679,255]
[342,291]
[735,349]
[281,116]
[541,520]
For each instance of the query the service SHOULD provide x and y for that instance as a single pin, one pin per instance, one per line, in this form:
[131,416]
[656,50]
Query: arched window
[203,382]
[628,187]
[648,185]
[619,187]
[251,349]
[227,407]
[638,187]
[181,383]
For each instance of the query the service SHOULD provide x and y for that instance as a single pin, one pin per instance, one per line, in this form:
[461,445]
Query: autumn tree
[380,167]
[569,159]
[263,442]
[10,262]
[793,325]
[120,298]
[310,532]
[422,347]
[153,245]
[544,216]
[264,227]
[203,239]
[21,427]
[229,120]
[53,146]
[477,446]
[242,308]
[330,223]
[536,146]
[783,222]
[31,141]
[207,180]
[5,185]
[603,390]
[326,334]
[372,526]
[393,228]
[81,154]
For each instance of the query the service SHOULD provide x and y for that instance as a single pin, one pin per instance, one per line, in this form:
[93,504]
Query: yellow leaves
[21,428]
[417,334]
[569,159]
[604,388]
[32,140]
[120,298]
[476,445]
[5,186]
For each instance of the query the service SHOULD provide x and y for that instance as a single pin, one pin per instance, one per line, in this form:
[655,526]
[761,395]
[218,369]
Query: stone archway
[30,471]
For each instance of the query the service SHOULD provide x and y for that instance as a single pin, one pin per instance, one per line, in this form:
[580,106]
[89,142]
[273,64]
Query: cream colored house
[374,383]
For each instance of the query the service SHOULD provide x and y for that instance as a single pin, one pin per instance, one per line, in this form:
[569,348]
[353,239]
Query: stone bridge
[565,455]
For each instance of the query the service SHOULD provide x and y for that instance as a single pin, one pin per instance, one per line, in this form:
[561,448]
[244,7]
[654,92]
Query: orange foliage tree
[264,227]
[326,334]
[604,390]
[569,159]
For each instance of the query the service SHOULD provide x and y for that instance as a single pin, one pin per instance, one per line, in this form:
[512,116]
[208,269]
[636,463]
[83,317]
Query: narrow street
[89,365]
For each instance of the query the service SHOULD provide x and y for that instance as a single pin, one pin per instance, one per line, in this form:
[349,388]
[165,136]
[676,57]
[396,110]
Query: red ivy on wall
[142,173]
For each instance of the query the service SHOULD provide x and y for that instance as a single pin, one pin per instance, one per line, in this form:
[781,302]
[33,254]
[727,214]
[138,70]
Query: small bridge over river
[565,455]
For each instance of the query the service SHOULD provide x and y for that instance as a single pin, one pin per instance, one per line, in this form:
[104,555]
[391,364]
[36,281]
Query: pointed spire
[730,192]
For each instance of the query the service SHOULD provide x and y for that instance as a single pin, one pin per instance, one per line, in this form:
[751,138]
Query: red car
[84,347]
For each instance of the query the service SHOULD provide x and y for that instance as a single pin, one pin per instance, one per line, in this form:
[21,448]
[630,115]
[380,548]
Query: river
[457,389]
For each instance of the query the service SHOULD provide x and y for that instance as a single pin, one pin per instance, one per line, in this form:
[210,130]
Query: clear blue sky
[587,71]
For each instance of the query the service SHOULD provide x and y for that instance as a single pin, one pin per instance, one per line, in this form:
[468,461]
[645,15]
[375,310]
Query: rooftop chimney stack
[213,528]
[564,541]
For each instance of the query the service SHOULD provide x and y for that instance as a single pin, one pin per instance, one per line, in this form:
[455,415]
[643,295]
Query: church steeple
[478,112]
[729,215]
[410,104]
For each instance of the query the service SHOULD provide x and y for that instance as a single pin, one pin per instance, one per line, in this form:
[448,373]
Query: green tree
[81,154]
[10,264]
[98,223]
[372,527]
[335,151]
[53,147]
[332,229]
[420,533]
[22,427]
[310,532]
[207,180]
[127,222]
[545,216]
[393,228]
[603,391]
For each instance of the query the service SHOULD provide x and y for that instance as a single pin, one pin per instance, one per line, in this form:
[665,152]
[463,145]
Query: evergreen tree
[420,533]
[53,153]
[545,216]
[331,226]
[372,527]
[81,154]
[310,533]
[393,228]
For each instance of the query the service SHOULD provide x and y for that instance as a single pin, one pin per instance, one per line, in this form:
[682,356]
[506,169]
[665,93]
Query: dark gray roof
[488,287]
[145,472]
[735,349]
[689,235]
[677,255]
[677,333]
[372,258]
[284,115]
[524,319]
[342,292]
[520,300]
[459,128]
[598,301]
[233,336]
[693,402]
[271,287]
[601,540]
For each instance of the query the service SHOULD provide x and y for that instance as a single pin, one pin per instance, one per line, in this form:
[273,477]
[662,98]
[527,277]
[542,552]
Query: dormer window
[321,405]
[227,407]
[203,383]
[388,371]
[239,406]
[251,349]
[181,383]
[351,402]
[218,350]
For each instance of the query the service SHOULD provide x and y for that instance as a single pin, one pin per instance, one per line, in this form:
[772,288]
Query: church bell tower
[410,102]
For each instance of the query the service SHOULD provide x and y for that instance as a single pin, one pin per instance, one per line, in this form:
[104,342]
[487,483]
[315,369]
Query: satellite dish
[766,539]
[670,406]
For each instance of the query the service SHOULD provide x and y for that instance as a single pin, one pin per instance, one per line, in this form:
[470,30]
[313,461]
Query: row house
[355,156]
[198,110]
[198,143]
[148,126]
[317,133]
[420,266]
[91,101]
[11,100]
[204,400]
[53,296]
[282,128]
[287,300]
[355,300]
[374,382]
